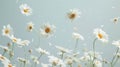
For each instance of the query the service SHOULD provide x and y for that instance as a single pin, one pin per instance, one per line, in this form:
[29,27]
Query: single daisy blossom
[25,9]
[30,26]
[101,35]
[7,30]
[47,30]
[77,36]
[73,14]
[42,51]
[116,43]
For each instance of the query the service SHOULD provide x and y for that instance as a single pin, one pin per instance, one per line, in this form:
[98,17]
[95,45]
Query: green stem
[94,51]
[70,65]
[76,45]
[114,57]
[40,56]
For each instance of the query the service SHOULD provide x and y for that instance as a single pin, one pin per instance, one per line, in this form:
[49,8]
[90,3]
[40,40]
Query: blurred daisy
[115,20]
[73,14]
[4,59]
[4,48]
[63,50]
[116,43]
[77,36]
[25,9]
[8,65]
[97,63]
[7,30]
[30,26]
[35,59]
[23,60]
[42,51]
[47,30]
[14,39]
[55,61]
[24,43]
[101,35]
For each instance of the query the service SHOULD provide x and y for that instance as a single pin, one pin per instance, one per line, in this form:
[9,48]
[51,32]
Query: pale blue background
[94,14]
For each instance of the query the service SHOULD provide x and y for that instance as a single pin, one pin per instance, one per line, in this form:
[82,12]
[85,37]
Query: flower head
[97,63]
[63,50]
[115,20]
[7,30]
[30,26]
[25,9]
[73,14]
[47,30]
[42,51]
[116,43]
[101,35]
[77,36]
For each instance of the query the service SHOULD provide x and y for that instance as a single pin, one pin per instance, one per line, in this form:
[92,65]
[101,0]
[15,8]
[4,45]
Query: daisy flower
[4,48]
[115,20]
[42,51]
[101,35]
[25,9]
[63,50]
[35,59]
[4,59]
[45,65]
[30,26]
[24,43]
[55,61]
[14,39]
[116,43]
[73,14]
[77,36]
[8,65]
[97,63]
[47,30]
[7,30]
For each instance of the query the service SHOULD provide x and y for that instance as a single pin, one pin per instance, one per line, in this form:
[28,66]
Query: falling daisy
[25,9]
[30,26]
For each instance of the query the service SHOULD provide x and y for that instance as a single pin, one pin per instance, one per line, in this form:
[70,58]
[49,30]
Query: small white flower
[63,50]
[8,65]
[116,43]
[14,39]
[35,59]
[4,48]
[115,20]
[24,43]
[55,61]
[97,63]
[42,51]
[30,26]
[25,9]
[4,59]
[7,30]
[73,14]
[47,30]
[101,35]
[77,36]
[23,60]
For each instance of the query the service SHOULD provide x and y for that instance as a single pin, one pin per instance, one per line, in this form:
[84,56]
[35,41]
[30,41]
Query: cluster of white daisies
[66,58]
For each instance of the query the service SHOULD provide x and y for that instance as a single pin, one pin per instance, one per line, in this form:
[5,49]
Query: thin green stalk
[76,44]
[114,57]
[94,51]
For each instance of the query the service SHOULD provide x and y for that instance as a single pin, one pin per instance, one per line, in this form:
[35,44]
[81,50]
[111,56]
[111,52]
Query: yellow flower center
[72,16]
[2,58]
[100,35]
[47,30]
[7,31]
[30,27]
[26,10]
[14,40]
[9,65]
